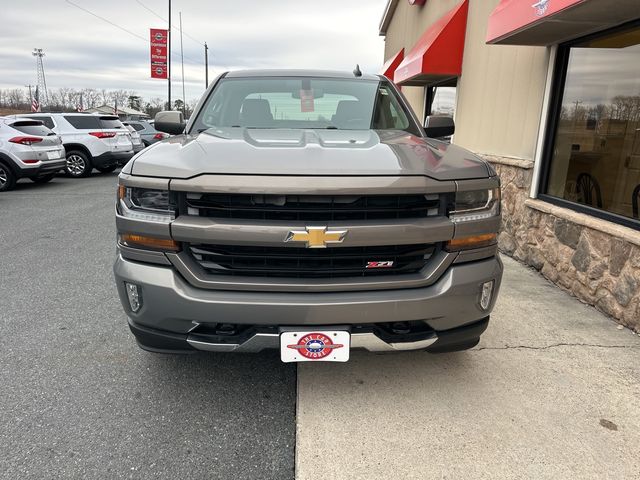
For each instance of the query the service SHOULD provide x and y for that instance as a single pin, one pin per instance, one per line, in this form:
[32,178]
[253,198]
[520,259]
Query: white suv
[91,141]
[28,149]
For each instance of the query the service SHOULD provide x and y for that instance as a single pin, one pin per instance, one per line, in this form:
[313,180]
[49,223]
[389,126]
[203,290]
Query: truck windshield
[302,103]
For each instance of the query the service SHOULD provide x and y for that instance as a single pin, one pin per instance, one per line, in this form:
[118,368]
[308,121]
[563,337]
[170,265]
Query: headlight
[476,205]
[146,204]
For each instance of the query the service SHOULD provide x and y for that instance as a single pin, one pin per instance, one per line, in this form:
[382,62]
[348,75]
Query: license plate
[315,346]
[53,155]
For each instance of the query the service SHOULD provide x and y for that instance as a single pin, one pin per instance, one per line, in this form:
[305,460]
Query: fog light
[485,298]
[135,297]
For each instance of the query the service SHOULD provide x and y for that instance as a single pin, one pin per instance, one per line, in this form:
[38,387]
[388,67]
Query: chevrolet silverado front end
[310,212]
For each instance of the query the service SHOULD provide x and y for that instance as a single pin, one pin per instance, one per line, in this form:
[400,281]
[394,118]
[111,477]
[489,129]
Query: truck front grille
[296,262]
[312,207]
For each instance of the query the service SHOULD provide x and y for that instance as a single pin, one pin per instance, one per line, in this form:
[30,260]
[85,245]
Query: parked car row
[39,145]
[147,131]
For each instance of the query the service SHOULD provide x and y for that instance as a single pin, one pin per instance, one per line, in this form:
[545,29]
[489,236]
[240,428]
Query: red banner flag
[158,52]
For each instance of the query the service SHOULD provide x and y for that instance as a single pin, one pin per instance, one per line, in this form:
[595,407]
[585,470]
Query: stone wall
[596,261]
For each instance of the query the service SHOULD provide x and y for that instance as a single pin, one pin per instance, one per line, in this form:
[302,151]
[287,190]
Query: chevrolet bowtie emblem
[316,237]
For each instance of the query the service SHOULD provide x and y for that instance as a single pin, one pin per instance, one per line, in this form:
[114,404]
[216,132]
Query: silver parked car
[147,132]
[136,139]
[30,150]
[309,212]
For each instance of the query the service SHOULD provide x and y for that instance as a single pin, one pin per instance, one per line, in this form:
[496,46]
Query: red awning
[546,22]
[389,67]
[438,54]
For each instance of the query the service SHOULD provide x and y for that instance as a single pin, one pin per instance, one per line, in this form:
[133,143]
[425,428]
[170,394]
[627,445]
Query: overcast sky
[83,51]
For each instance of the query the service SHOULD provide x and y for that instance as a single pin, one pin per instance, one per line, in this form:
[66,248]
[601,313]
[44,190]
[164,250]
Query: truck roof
[298,73]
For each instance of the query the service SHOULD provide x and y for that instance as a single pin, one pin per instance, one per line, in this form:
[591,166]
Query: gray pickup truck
[309,212]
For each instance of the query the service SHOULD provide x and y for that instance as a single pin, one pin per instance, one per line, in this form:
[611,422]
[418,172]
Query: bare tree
[90,97]
[155,105]
[15,97]
[120,97]
[105,96]
[65,95]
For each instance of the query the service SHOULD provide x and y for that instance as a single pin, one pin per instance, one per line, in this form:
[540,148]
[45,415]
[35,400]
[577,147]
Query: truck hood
[244,151]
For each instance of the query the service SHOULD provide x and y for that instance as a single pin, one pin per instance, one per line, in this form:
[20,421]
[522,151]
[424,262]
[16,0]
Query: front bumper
[109,159]
[172,307]
[365,338]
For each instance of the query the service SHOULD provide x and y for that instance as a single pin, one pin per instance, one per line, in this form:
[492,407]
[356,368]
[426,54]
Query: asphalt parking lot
[79,399]
[552,391]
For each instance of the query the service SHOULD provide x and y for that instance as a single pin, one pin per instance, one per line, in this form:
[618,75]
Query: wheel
[7,178]
[78,165]
[107,169]
[44,178]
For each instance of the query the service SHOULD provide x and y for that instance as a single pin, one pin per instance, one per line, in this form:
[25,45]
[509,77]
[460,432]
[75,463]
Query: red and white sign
[158,53]
[323,346]
[306,101]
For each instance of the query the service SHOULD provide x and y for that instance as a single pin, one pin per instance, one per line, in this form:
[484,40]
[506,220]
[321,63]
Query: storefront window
[443,101]
[595,156]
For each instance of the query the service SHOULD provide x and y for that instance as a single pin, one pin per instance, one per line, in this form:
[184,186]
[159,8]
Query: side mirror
[170,121]
[439,126]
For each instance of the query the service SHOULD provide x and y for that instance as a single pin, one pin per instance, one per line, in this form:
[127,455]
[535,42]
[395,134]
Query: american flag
[35,104]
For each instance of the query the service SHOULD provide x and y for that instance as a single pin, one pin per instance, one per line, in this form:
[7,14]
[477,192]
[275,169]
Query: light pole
[169,58]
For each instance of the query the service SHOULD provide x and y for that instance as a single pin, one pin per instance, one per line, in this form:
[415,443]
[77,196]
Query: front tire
[107,169]
[7,178]
[43,179]
[78,164]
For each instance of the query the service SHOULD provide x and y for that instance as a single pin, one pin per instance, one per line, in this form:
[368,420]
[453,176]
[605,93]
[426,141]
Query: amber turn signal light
[475,241]
[141,241]
[122,192]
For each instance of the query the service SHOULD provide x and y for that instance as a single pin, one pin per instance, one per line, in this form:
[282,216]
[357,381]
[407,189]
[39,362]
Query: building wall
[499,105]
[596,261]
[406,27]
[501,88]
[500,91]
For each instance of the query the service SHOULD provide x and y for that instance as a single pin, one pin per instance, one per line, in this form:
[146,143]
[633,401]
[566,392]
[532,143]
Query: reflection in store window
[596,155]
[444,101]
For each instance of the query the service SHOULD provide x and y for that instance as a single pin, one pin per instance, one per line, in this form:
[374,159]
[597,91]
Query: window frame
[43,119]
[555,106]
[429,95]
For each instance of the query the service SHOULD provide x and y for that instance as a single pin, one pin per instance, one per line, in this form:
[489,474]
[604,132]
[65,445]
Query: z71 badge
[385,264]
